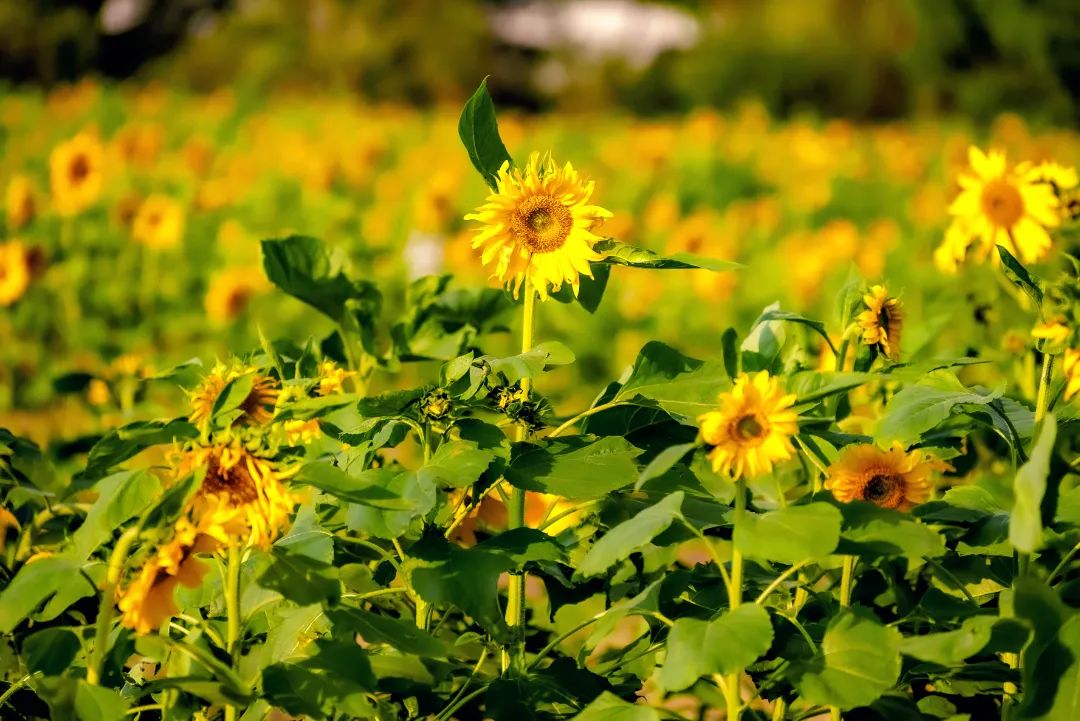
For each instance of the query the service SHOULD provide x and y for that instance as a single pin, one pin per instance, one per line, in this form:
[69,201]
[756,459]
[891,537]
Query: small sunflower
[539,225]
[14,272]
[1006,206]
[753,428]
[889,479]
[159,222]
[229,293]
[75,173]
[1071,367]
[257,407]
[332,378]
[882,322]
[20,202]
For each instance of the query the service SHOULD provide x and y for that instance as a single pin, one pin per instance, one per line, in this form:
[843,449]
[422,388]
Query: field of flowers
[318,409]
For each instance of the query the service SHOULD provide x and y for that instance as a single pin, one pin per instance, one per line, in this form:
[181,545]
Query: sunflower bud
[436,405]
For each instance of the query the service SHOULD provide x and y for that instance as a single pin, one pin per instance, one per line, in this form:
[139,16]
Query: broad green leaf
[127,441]
[479,133]
[308,270]
[373,487]
[919,408]
[1066,699]
[662,463]
[50,651]
[531,364]
[121,497]
[415,490]
[457,463]
[791,534]
[34,584]
[609,707]
[813,386]
[73,699]
[318,407]
[872,531]
[951,647]
[335,680]
[373,628]
[575,466]
[233,395]
[683,386]
[1019,275]
[724,645]
[859,659]
[761,348]
[522,545]
[300,578]
[787,316]
[616,253]
[630,536]
[1050,656]
[1025,520]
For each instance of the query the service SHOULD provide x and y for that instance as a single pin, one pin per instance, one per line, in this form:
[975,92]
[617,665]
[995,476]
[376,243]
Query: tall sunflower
[882,322]
[75,173]
[539,225]
[257,406]
[752,429]
[890,479]
[14,272]
[1007,206]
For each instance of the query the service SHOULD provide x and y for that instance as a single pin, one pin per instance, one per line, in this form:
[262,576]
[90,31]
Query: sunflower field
[314,407]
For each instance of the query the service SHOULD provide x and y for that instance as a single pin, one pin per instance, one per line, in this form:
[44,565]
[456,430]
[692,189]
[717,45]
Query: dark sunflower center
[542,223]
[235,482]
[539,219]
[748,427]
[80,168]
[882,488]
[1002,203]
[237,301]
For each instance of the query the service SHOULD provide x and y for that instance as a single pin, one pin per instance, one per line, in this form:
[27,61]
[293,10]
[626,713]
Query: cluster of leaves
[385,599]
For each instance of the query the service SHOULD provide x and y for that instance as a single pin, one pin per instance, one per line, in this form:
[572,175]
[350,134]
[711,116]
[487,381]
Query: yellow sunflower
[753,428]
[230,291]
[539,225]
[1005,206]
[257,407]
[20,202]
[882,322]
[159,222]
[890,479]
[75,173]
[332,378]
[1071,367]
[302,432]
[14,272]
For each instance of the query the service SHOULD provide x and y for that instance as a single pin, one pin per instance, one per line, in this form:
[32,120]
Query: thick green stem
[107,603]
[732,683]
[1044,387]
[232,611]
[515,606]
[845,601]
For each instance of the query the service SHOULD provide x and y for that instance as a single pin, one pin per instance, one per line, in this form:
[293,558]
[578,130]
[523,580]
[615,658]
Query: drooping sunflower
[539,225]
[882,322]
[257,407]
[889,479]
[159,222]
[76,173]
[14,272]
[752,429]
[20,202]
[1007,206]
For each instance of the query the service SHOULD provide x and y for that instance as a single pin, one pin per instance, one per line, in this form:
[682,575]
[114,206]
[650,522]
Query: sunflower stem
[232,611]
[845,601]
[515,606]
[732,683]
[1044,387]
[117,559]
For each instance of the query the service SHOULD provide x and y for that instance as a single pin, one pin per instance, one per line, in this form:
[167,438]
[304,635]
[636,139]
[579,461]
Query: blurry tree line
[855,58]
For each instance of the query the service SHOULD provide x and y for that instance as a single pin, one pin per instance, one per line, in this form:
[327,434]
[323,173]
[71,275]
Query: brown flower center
[235,482]
[237,301]
[884,489]
[1002,203]
[79,169]
[542,223]
[748,427]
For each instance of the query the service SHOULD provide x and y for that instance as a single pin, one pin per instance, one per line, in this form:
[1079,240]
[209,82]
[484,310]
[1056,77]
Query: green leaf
[1025,519]
[309,408]
[859,659]
[919,408]
[373,487]
[1050,657]
[127,441]
[662,463]
[522,545]
[336,680]
[785,315]
[457,464]
[872,531]
[51,651]
[309,271]
[531,364]
[479,133]
[300,578]
[1066,698]
[616,253]
[34,584]
[73,699]
[791,534]
[630,536]
[574,467]
[728,343]
[234,394]
[609,707]
[121,496]
[414,489]
[684,387]
[402,635]
[951,647]
[1019,275]
[727,644]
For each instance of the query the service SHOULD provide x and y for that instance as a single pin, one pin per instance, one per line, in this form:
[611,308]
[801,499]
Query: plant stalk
[732,683]
[232,611]
[117,559]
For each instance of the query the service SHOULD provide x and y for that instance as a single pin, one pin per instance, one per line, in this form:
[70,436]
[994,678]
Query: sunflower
[229,293]
[1005,206]
[75,173]
[753,428]
[1071,367]
[890,479]
[302,432]
[159,222]
[242,499]
[539,225]
[14,272]
[882,322]
[332,378]
[257,407]
[20,202]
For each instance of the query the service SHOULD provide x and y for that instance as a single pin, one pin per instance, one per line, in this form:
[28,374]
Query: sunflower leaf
[479,133]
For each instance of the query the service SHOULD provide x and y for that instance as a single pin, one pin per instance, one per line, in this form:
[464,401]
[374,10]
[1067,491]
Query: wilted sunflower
[20,202]
[75,173]
[1005,206]
[242,499]
[159,222]
[753,428]
[890,479]
[257,407]
[539,225]
[882,322]
[14,272]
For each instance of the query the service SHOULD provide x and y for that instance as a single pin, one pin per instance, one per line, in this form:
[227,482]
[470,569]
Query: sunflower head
[1071,368]
[539,225]
[75,173]
[159,222]
[14,271]
[20,202]
[882,321]
[229,293]
[332,378]
[753,427]
[889,479]
[257,408]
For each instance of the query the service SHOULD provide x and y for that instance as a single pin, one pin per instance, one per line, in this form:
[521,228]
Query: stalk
[845,602]
[108,601]
[232,611]
[732,683]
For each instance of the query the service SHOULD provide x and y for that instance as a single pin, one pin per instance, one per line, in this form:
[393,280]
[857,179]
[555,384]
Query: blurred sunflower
[538,225]
[20,202]
[257,407]
[889,479]
[882,322]
[159,222]
[1071,367]
[753,428]
[230,291]
[1005,206]
[75,173]
[14,271]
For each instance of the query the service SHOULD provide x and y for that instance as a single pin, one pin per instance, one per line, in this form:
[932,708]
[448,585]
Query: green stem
[10,690]
[107,603]
[1044,387]
[515,605]
[582,416]
[845,581]
[232,611]
[777,581]
[732,682]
